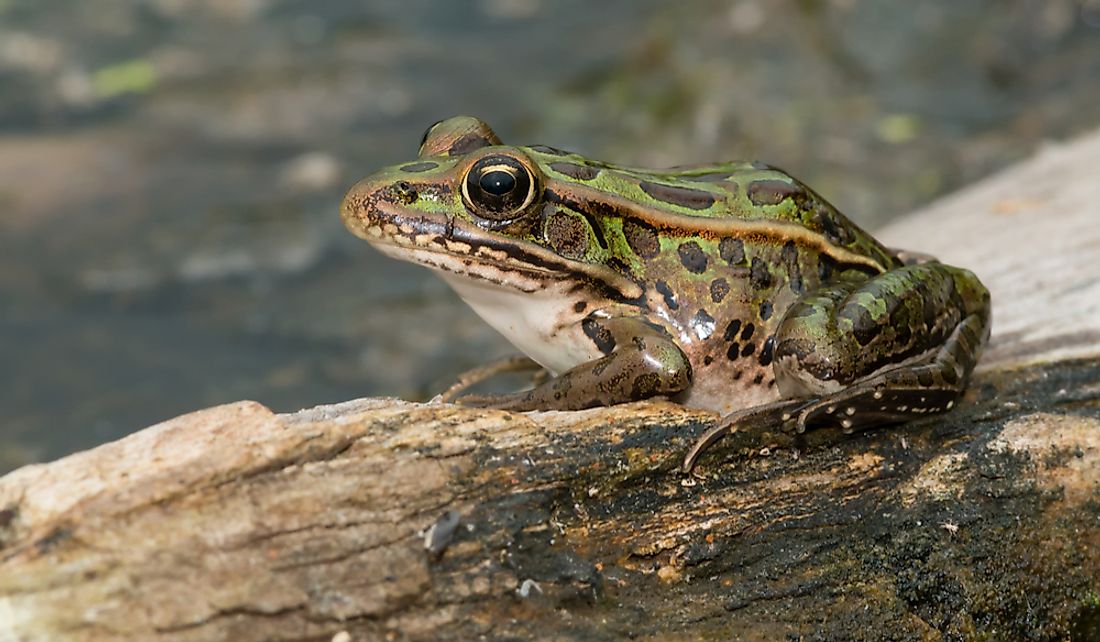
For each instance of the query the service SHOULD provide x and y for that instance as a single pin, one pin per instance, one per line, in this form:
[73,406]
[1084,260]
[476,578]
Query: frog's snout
[359,209]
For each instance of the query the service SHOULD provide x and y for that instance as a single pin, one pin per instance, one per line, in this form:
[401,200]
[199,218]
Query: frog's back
[710,198]
[722,250]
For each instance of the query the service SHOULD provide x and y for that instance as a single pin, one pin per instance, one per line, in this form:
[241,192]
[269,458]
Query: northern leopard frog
[729,286]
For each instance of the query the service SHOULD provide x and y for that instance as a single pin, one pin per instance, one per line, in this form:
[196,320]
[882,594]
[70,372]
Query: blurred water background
[170,170]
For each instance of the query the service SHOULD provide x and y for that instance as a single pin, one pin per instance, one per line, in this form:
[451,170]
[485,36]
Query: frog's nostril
[405,192]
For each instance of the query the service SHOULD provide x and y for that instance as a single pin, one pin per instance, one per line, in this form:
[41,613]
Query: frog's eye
[498,188]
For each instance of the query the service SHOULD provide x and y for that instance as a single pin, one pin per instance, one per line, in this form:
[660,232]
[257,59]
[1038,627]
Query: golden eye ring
[498,188]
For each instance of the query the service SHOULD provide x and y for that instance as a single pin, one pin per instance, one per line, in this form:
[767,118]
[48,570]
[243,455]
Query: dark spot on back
[765,310]
[772,192]
[746,334]
[420,167]
[732,329]
[546,149]
[719,288]
[732,250]
[692,257]
[573,170]
[641,238]
[924,377]
[666,292]
[579,306]
[707,360]
[831,227]
[767,351]
[760,277]
[758,379]
[599,335]
[567,234]
[789,256]
[748,349]
[682,196]
[733,352]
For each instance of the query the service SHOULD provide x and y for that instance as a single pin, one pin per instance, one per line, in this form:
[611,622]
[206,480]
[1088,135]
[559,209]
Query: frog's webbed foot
[472,377]
[640,361]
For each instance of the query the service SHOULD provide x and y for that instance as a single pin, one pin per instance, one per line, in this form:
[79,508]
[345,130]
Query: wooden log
[382,519]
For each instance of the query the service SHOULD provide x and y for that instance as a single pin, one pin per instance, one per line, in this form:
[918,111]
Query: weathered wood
[234,523]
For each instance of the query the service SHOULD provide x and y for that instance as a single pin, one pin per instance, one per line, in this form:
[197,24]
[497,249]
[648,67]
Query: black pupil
[497,182]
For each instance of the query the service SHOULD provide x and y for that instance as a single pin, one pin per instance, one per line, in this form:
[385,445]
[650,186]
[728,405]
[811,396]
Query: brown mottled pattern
[772,192]
[760,277]
[599,335]
[567,234]
[732,250]
[575,171]
[719,288]
[682,196]
[641,238]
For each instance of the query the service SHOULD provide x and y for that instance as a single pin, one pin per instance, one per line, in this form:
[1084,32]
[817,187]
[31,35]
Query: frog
[730,286]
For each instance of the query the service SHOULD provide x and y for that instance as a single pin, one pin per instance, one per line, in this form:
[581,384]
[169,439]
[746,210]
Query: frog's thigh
[899,345]
[641,361]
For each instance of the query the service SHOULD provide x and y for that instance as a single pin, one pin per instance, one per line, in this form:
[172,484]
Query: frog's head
[477,210]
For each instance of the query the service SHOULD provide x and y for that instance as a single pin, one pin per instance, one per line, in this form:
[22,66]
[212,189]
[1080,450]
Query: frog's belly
[543,324]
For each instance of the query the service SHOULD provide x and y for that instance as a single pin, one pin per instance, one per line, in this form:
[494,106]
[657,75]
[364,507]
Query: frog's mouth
[456,247]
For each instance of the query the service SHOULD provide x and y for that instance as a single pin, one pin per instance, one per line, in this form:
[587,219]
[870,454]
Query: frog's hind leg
[904,392]
[862,353]
[895,347]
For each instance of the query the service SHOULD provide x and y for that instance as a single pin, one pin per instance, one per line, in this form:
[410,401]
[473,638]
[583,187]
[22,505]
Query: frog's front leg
[864,353]
[641,361]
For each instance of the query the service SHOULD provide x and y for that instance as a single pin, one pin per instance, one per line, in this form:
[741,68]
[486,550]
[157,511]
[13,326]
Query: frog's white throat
[544,324]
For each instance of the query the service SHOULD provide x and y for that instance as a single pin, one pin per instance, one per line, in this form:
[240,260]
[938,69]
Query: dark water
[170,169]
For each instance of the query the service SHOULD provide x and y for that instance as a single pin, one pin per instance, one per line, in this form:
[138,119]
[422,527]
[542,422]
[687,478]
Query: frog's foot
[641,361]
[471,378]
[783,413]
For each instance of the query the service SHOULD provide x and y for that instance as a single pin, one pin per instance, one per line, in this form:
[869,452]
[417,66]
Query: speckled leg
[640,361]
[866,353]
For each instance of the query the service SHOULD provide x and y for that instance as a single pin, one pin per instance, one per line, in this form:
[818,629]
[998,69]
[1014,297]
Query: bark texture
[381,519]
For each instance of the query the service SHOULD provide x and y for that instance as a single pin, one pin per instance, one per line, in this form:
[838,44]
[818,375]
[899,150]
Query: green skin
[729,286]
